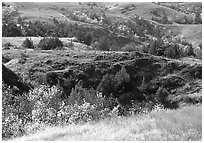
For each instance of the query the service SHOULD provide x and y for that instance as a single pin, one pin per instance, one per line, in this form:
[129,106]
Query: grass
[160,125]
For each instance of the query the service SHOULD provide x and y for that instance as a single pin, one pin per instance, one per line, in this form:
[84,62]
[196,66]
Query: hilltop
[115,13]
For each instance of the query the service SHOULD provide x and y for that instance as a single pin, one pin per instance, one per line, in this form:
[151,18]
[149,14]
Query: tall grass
[158,125]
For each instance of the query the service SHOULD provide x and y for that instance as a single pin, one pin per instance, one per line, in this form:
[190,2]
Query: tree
[28,43]
[114,85]
[185,19]
[11,30]
[190,51]
[169,52]
[164,19]
[200,46]
[88,39]
[153,47]
[122,76]
[161,95]
[198,19]
[106,86]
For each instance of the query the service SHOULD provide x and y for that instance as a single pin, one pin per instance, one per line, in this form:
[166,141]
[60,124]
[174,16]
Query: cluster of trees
[164,19]
[175,48]
[171,49]
[195,9]
[90,17]
[138,26]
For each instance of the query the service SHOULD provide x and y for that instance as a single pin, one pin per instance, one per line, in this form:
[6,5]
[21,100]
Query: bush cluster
[114,85]
[50,43]
[43,105]
[28,43]
[6,46]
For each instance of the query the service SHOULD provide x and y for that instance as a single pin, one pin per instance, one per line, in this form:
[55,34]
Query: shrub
[161,96]
[110,84]
[200,46]
[28,43]
[154,44]
[69,44]
[16,111]
[169,52]
[191,51]
[106,85]
[129,47]
[7,45]
[23,58]
[46,102]
[43,106]
[6,58]
[49,43]
[122,76]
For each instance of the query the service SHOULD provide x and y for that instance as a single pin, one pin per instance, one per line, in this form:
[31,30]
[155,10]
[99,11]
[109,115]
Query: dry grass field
[184,124]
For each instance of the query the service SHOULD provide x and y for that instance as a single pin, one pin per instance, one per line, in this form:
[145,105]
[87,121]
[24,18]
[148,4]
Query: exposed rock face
[13,80]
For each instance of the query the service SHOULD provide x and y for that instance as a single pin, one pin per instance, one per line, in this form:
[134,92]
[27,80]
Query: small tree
[122,76]
[153,47]
[169,52]
[200,46]
[198,20]
[28,43]
[164,19]
[106,86]
[49,43]
[190,51]
[161,95]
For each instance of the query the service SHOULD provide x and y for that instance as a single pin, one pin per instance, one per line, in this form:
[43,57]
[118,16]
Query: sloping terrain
[147,72]
[40,11]
[192,32]
[114,11]
[146,10]
[116,59]
[156,126]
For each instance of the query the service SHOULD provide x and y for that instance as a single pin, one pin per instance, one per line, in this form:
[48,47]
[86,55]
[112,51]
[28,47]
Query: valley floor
[183,124]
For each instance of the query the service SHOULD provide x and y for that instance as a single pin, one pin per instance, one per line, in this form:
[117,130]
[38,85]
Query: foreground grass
[182,124]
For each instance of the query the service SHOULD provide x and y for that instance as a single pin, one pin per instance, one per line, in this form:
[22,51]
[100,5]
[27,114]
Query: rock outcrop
[14,81]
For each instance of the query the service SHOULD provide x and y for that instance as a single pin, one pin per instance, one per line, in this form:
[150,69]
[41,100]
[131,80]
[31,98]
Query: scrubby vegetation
[158,125]
[28,43]
[109,67]
[49,43]
[114,95]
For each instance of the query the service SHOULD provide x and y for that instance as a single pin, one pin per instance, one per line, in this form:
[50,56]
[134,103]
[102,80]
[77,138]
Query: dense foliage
[49,43]
[28,43]
[43,105]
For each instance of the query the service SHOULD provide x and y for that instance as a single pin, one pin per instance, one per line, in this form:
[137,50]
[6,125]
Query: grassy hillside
[184,124]
[146,10]
[40,11]
[193,33]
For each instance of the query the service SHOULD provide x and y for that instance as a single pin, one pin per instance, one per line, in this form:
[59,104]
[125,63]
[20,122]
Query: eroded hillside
[147,73]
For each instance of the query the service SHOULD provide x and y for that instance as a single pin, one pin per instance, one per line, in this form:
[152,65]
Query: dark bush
[106,86]
[200,46]
[6,46]
[161,95]
[6,58]
[103,44]
[129,47]
[114,84]
[69,45]
[170,53]
[28,43]
[50,43]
